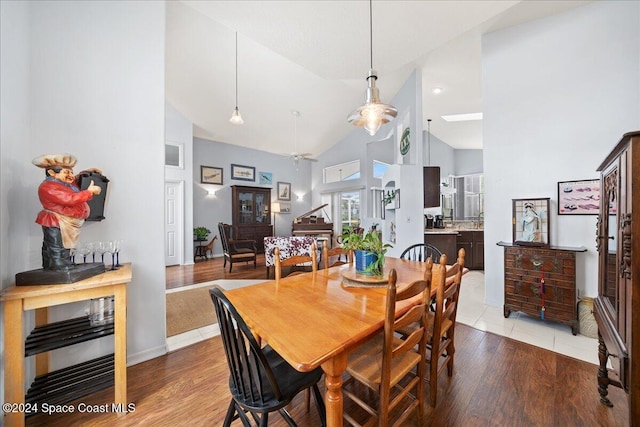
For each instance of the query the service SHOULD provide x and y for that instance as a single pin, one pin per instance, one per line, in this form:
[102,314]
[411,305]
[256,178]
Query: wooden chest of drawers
[524,269]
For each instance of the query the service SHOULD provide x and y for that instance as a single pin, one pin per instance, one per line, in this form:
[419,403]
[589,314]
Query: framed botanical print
[284,191]
[210,175]
[243,173]
[530,220]
[579,197]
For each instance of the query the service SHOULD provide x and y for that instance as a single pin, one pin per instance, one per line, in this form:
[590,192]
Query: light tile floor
[546,334]
[472,311]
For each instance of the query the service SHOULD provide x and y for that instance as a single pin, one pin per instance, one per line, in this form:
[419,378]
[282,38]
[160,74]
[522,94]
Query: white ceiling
[314,56]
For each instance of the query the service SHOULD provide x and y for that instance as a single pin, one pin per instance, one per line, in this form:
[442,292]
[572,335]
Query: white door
[173,222]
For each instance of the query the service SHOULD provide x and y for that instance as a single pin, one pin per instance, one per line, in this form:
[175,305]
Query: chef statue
[64,209]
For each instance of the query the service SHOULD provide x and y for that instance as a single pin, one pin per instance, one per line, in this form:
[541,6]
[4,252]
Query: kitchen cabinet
[524,290]
[431,186]
[618,243]
[445,241]
[473,244]
[251,213]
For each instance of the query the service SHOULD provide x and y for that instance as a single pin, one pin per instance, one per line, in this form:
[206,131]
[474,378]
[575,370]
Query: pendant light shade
[374,113]
[236,118]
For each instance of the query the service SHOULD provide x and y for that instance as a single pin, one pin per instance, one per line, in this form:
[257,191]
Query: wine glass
[118,247]
[99,249]
[110,247]
[84,249]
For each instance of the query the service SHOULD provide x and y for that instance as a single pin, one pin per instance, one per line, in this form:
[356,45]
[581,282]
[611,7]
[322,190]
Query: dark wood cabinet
[473,244]
[617,306]
[431,186]
[251,213]
[445,242]
[524,269]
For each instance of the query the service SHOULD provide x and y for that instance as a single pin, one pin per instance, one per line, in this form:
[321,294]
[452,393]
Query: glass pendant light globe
[236,118]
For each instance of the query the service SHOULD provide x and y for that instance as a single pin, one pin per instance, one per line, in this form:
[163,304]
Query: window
[342,172]
[379,168]
[173,155]
[469,197]
[350,209]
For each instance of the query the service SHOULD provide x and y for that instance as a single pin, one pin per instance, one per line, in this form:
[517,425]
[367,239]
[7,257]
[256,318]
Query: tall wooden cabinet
[251,213]
[617,306]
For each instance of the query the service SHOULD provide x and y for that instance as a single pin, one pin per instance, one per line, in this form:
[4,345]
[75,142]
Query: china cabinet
[251,213]
[616,308]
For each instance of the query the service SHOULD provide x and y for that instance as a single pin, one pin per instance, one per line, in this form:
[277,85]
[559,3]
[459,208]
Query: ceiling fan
[295,155]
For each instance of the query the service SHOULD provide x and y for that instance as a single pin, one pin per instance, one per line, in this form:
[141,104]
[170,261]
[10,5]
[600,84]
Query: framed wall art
[265,178]
[530,219]
[243,173]
[210,175]
[579,197]
[284,191]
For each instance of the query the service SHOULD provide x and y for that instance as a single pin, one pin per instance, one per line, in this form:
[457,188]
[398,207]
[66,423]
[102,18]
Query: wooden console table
[18,299]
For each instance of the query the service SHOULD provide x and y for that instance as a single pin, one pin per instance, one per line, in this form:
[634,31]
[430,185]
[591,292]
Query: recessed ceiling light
[463,117]
[437,90]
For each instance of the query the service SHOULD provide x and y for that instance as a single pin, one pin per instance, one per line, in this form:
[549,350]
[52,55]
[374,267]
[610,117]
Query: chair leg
[230,414]
[286,417]
[320,405]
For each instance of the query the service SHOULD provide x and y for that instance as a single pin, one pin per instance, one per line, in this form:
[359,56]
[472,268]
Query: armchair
[236,249]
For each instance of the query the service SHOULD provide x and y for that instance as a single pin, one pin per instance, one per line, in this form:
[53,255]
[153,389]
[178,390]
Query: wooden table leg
[333,370]
[120,347]
[13,361]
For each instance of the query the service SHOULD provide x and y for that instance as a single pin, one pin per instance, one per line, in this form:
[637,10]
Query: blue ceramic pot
[363,260]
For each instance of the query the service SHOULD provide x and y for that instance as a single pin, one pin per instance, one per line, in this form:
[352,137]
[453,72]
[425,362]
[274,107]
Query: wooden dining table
[313,319]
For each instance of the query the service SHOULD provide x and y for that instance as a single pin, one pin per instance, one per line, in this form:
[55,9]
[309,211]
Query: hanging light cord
[371,32]
[236,69]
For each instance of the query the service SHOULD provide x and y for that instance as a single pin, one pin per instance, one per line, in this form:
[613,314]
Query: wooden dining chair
[440,342]
[295,260]
[336,254]
[420,252]
[391,366]
[260,380]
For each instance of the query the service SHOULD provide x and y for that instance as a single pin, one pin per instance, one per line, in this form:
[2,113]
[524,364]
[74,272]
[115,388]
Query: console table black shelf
[71,383]
[61,334]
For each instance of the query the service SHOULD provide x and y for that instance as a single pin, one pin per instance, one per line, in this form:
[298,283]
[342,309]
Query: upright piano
[313,225]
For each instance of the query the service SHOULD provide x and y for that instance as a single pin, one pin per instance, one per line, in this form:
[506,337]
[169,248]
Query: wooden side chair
[391,366]
[236,250]
[420,252]
[336,254]
[440,343]
[295,260]
[260,380]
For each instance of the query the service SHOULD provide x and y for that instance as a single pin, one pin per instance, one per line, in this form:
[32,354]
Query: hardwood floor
[212,269]
[496,382]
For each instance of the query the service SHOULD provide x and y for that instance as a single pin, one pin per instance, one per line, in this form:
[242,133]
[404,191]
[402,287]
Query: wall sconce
[211,191]
[300,197]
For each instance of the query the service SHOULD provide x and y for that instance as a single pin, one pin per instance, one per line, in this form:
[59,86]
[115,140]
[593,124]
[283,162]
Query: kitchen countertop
[449,230]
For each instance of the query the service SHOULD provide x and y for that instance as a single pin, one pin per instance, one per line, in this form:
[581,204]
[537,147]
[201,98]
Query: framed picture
[284,191]
[579,197]
[243,173]
[530,218]
[210,175]
[265,178]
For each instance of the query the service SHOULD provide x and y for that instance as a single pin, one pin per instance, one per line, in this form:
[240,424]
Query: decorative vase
[363,260]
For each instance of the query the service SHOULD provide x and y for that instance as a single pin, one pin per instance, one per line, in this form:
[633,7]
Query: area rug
[190,307]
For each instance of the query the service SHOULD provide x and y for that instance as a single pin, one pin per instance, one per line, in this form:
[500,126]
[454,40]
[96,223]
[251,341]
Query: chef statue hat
[63,160]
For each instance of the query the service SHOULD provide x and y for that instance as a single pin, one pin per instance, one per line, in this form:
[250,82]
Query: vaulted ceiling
[314,56]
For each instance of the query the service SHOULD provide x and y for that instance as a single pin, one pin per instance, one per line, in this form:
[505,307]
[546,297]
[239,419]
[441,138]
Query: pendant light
[374,113]
[236,118]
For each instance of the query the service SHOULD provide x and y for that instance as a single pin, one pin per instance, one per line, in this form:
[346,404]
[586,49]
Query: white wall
[558,93]
[88,78]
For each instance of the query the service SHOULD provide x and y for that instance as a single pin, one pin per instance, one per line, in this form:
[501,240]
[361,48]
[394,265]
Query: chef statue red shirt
[64,209]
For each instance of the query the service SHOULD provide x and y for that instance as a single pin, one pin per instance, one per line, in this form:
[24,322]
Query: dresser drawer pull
[537,263]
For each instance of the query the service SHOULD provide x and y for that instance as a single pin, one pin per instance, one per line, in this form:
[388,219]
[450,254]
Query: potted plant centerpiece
[368,250]
[201,233]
